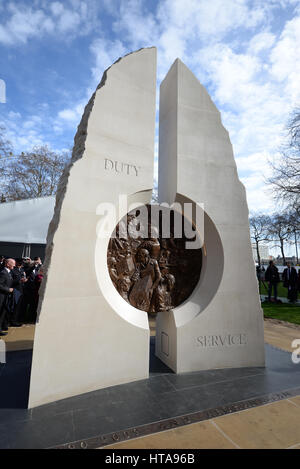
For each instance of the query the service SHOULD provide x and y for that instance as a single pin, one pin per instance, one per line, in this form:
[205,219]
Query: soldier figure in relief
[146,279]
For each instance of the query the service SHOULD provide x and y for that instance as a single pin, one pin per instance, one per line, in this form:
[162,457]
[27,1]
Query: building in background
[24,226]
[263,252]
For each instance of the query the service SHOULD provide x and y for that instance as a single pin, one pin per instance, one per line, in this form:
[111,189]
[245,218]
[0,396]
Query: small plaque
[165,343]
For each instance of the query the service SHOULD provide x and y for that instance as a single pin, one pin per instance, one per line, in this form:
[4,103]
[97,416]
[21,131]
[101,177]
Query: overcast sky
[245,52]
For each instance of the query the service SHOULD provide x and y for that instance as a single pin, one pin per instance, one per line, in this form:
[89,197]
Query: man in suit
[6,288]
[37,264]
[33,267]
[290,281]
[272,277]
[29,294]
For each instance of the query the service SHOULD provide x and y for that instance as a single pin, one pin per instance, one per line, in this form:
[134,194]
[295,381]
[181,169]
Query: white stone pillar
[87,336]
[221,324]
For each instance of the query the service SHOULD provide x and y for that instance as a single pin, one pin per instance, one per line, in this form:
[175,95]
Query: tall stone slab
[87,337]
[221,324]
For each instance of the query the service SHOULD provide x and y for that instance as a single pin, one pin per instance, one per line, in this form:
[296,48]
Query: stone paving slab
[276,425]
[295,400]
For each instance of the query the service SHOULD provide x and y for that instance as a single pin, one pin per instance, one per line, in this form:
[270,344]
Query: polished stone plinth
[163,401]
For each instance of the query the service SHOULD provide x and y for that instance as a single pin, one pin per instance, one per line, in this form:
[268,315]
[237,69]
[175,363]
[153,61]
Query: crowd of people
[20,280]
[290,279]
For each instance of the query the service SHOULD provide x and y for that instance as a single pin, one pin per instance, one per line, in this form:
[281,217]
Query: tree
[6,151]
[33,174]
[259,225]
[294,228]
[286,173]
[279,231]
[5,145]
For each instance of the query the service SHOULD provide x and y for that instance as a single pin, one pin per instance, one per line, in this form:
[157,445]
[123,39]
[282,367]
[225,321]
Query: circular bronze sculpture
[151,272]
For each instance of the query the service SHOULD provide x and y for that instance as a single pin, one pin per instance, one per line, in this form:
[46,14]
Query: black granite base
[165,400]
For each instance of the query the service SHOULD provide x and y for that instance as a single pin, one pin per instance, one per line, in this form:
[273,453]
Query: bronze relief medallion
[151,271]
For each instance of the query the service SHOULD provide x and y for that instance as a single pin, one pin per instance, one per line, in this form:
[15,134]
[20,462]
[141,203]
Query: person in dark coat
[32,267]
[38,281]
[19,276]
[37,263]
[272,277]
[29,303]
[290,281]
[6,289]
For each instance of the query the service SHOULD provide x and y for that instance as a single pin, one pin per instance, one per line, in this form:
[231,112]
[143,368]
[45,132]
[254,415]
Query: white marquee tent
[24,226]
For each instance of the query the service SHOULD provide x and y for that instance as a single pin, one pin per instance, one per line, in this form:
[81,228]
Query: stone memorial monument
[100,285]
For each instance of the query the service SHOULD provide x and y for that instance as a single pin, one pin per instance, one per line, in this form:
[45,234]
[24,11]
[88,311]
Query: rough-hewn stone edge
[77,153]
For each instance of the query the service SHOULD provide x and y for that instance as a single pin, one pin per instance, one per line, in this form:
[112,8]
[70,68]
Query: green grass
[283,312]
[281,291]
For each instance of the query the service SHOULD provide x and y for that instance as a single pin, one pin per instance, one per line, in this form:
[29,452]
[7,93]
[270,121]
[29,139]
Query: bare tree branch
[286,173]
[33,174]
[259,231]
